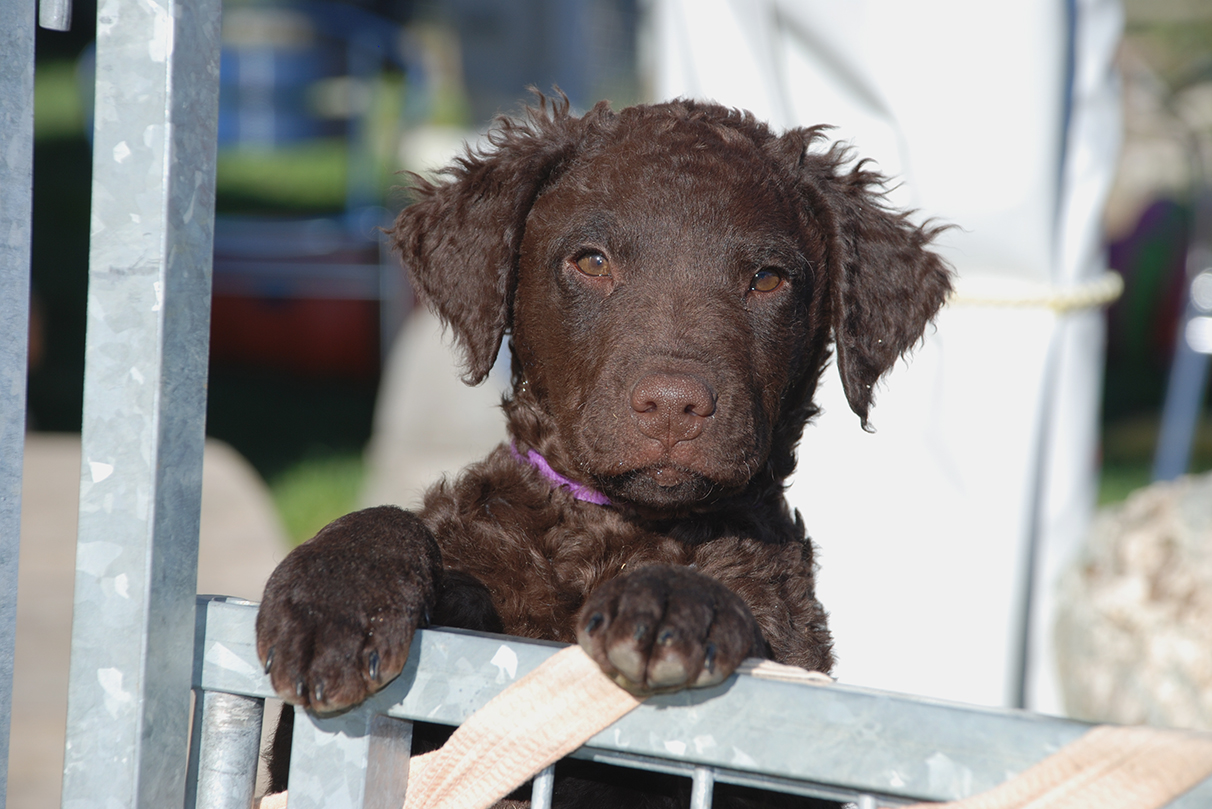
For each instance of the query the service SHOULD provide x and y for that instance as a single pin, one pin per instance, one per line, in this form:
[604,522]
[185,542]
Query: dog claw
[640,631]
[300,688]
[665,638]
[373,666]
[709,658]
[595,622]
[269,659]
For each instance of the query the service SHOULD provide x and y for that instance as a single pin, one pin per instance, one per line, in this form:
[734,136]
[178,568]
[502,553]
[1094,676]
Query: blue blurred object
[264,91]
[1193,337]
[1192,352]
[274,56]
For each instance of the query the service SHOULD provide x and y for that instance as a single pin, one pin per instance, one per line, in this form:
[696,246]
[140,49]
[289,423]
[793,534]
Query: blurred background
[324,103]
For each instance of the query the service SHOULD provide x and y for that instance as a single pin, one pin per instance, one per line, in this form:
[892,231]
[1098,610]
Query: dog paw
[663,628]
[339,613]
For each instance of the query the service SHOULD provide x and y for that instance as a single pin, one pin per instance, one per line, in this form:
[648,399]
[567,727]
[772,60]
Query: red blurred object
[316,298]
[306,336]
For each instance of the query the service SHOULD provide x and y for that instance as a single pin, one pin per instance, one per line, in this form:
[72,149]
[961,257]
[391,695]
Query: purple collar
[578,490]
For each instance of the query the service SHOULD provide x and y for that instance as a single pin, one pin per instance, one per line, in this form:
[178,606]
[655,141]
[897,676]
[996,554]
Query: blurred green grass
[315,491]
[309,176]
[58,106]
[1117,481]
[1128,447]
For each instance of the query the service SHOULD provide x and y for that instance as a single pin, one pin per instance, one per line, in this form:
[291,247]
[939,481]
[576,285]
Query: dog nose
[672,407]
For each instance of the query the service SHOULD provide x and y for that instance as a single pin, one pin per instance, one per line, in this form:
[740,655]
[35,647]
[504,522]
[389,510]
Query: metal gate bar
[225,743]
[829,741]
[544,785]
[144,402]
[359,758]
[16,193]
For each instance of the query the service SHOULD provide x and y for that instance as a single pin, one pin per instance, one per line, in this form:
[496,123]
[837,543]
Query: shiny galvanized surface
[225,747]
[16,175]
[55,15]
[357,759]
[541,789]
[829,740]
[152,231]
[703,781]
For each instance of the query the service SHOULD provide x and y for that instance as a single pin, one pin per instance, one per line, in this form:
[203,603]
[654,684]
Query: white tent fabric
[979,481]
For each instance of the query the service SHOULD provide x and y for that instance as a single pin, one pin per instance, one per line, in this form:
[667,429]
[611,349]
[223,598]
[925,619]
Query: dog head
[672,277]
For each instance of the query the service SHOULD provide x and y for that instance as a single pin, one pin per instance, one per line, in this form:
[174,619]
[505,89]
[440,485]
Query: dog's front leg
[665,627]
[340,611]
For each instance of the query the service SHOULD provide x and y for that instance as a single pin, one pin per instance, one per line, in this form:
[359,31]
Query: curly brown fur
[671,278]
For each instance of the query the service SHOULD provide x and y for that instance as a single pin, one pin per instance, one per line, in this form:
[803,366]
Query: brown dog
[671,277]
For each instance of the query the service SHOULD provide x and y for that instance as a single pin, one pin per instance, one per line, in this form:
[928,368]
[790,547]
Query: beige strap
[275,801]
[557,707]
[535,722]
[1108,768]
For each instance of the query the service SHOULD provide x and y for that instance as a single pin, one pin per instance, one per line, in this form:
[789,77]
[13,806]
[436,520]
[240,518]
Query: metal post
[16,177]
[55,15]
[357,760]
[224,750]
[703,785]
[387,756]
[144,403]
[544,785]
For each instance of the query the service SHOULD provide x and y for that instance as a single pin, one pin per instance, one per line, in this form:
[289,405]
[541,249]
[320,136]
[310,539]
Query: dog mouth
[667,476]
[661,487]
[662,482]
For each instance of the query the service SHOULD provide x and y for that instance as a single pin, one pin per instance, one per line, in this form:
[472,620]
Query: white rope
[983,290]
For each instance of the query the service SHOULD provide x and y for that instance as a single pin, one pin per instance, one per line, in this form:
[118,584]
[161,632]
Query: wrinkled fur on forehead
[460,239]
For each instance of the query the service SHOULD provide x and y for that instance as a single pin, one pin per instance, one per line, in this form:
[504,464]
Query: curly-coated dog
[671,278]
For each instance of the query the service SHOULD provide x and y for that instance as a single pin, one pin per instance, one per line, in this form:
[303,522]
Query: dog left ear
[884,285]
[459,239]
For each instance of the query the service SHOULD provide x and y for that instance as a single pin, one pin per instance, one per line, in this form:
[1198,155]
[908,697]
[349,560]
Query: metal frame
[136,614]
[830,741]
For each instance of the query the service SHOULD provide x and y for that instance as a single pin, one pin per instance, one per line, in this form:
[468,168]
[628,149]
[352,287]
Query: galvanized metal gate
[141,638]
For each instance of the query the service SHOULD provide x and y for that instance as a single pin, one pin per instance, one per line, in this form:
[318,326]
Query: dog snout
[672,407]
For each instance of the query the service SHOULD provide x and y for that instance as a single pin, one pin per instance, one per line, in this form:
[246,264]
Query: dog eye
[765,281]
[594,264]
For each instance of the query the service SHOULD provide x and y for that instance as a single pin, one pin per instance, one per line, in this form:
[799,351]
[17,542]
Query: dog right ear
[459,239]
[884,283]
